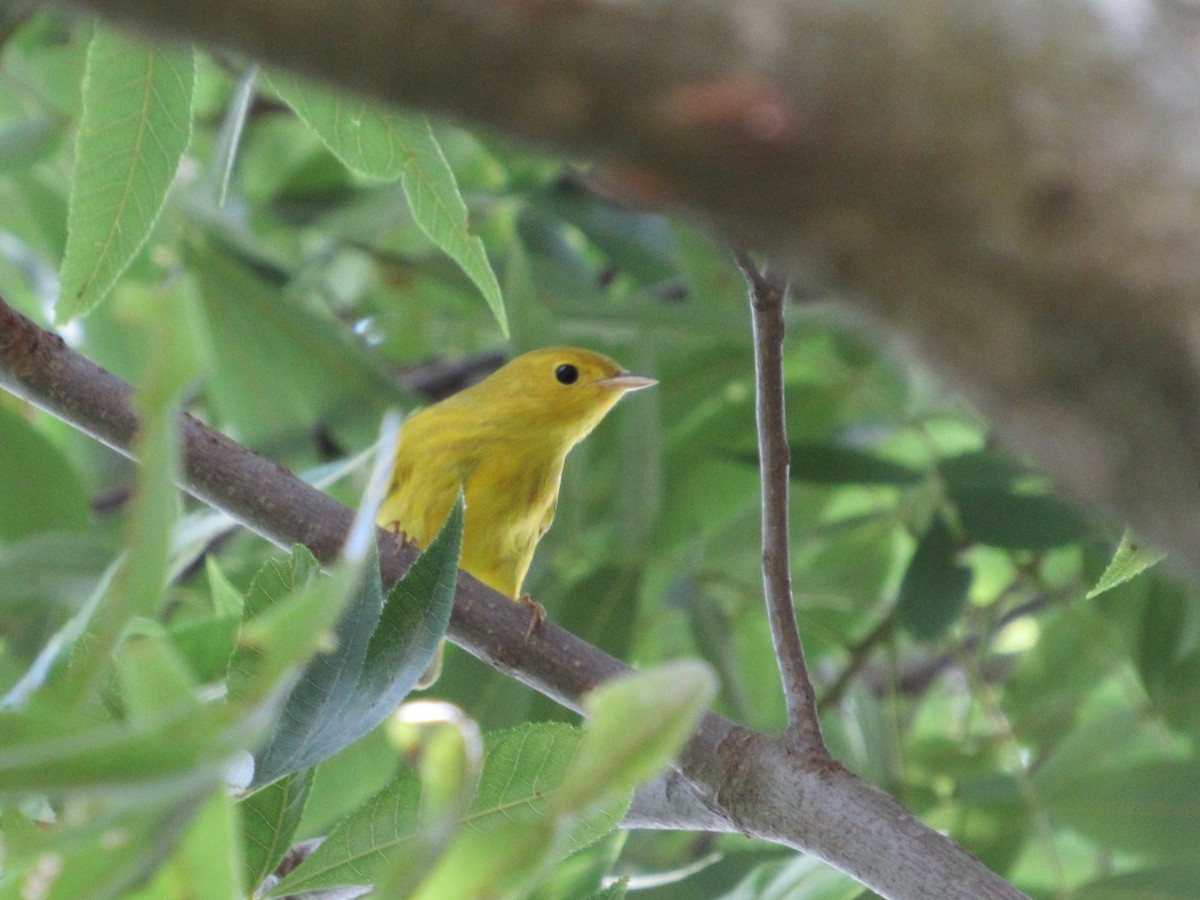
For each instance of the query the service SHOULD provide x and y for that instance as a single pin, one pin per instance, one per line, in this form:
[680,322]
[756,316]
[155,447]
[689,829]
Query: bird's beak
[625,382]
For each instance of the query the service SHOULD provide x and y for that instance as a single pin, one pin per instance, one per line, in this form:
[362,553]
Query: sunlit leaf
[137,120]
[1132,557]
[388,145]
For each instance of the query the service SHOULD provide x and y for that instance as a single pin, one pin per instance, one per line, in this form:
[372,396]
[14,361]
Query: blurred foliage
[290,300]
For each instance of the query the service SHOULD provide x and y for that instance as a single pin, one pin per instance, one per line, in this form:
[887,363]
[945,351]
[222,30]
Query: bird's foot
[537,614]
[400,534]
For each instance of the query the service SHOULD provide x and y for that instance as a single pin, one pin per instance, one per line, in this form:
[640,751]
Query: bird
[503,443]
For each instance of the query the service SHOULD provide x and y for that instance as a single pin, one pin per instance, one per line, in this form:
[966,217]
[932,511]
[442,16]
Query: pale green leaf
[206,863]
[136,123]
[638,724]
[1130,560]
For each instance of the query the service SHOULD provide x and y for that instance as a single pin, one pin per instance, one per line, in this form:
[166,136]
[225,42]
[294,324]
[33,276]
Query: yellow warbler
[503,441]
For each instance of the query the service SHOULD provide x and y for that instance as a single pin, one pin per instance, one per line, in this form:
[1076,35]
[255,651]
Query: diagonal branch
[735,779]
[774,455]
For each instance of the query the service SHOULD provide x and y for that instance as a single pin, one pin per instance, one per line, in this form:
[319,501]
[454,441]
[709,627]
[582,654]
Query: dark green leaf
[815,463]
[981,469]
[1159,644]
[1015,521]
[934,589]
[378,658]
[41,491]
[635,242]
[834,464]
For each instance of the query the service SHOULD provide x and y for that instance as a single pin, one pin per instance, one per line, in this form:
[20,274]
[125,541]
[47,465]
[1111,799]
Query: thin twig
[766,305]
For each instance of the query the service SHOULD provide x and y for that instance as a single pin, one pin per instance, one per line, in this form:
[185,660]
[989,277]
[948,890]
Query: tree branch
[1012,187]
[774,460]
[738,779]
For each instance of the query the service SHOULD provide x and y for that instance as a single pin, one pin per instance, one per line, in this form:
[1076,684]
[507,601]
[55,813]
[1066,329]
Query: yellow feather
[503,441]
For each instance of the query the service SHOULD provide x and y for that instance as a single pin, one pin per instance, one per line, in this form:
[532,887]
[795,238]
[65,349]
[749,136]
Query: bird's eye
[566,374]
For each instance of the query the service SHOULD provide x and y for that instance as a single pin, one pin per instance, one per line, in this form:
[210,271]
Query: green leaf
[269,820]
[981,469]
[1167,883]
[155,680]
[800,876]
[1131,558]
[170,756]
[934,588]
[226,599]
[638,723]
[1164,798]
[206,863]
[523,774]
[816,463]
[279,579]
[1004,518]
[377,659]
[386,145]
[137,120]
[57,648]
[139,586]
[635,242]
[615,891]
[834,464]
[207,645]
[280,639]
[277,364]
[448,752]
[100,860]
[41,491]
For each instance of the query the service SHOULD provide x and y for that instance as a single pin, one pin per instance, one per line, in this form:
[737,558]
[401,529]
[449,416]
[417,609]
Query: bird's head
[560,391]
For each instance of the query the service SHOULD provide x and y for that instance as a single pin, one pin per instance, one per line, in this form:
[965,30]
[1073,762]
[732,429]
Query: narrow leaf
[1130,560]
[387,145]
[1012,520]
[137,119]
[934,588]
